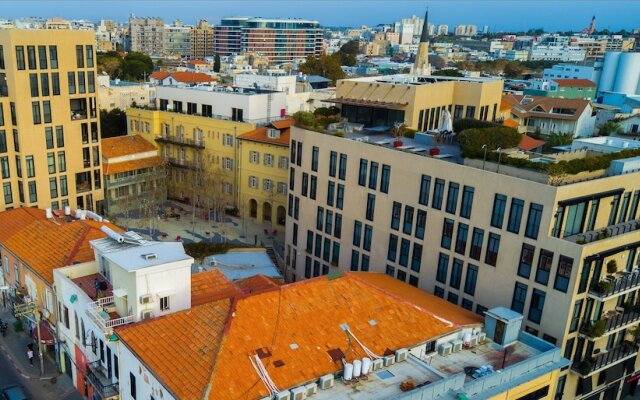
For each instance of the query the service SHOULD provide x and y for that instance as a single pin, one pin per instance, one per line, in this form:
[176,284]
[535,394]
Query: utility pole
[31,308]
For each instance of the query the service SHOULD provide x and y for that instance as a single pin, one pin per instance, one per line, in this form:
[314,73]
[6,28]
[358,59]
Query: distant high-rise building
[466,30]
[485,29]
[177,39]
[146,35]
[443,30]
[281,40]
[202,43]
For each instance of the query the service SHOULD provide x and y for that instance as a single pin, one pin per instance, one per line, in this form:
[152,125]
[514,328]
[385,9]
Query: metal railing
[259,122]
[96,311]
[627,281]
[604,233]
[199,143]
[101,383]
[614,322]
[590,365]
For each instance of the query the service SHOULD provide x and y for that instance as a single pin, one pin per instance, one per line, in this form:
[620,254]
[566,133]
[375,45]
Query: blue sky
[501,15]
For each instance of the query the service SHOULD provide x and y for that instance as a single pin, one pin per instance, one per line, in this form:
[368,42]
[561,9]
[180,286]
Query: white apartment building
[573,71]
[557,53]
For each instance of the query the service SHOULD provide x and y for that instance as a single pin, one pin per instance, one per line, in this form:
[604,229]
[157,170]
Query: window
[533,221]
[519,297]
[309,247]
[326,250]
[413,280]
[373,175]
[493,246]
[254,157]
[35,109]
[342,172]
[340,196]
[46,111]
[575,317]
[467,202]
[20,57]
[51,163]
[89,56]
[31,56]
[292,179]
[452,197]
[55,83]
[330,193]
[416,257]
[283,162]
[132,386]
[537,306]
[267,184]
[371,206]
[8,195]
[467,304]
[333,160]
[476,243]
[53,56]
[386,178]
[164,303]
[401,275]
[91,82]
[393,248]
[438,192]
[33,85]
[318,247]
[515,215]
[544,267]
[452,298]
[368,234]
[461,238]
[456,273]
[72,82]
[425,183]
[335,255]
[438,291]
[1,57]
[362,174]
[79,56]
[447,233]
[313,188]
[395,215]
[314,158]
[305,183]
[471,279]
[4,165]
[357,233]
[355,259]
[44,84]
[499,203]
[443,266]
[408,220]
[307,267]
[563,275]
[319,218]
[59,136]
[254,182]
[526,260]
[404,252]
[33,193]
[268,160]
[63,186]
[391,271]
[62,163]
[421,221]
[3,141]
[31,168]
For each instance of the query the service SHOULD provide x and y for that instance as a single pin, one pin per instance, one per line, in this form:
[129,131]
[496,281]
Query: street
[9,376]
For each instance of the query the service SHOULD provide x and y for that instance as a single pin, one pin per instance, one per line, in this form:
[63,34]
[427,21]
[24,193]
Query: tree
[610,127]
[513,69]
[326,66]
[216,63]
[304,119]
[447,72]
[136,66]
[113,123]
[348,53]
[472,140]
[111,63]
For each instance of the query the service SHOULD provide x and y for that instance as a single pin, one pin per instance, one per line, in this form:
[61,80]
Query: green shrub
[200,250]
[471,123]
[596,328]
[408,132]
[612,267]
[603,287]
[472,140]
[304,119]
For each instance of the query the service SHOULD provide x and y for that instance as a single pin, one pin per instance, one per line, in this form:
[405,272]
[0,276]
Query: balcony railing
[591,365]
[604,233]
[610,287]
[101,383]
[101,312]
[199,144]
[602,327]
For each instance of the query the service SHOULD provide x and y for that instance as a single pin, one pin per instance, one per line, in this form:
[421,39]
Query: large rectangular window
[575,317]
[331,192]
[55,83]
[79,56]
[46,111]
[89,56]
[31,56]
[81,82]
[42,56]
[319,218]
[368,237]
[53,56]
[315,154]
[386,178]
[408,220]
[443,266]
[371,206]
[71,77]
[519,297]
[545,260]
[438,192]
[357,233]
[515,215]
[396,211]
[421,222]
[342,169]
[526,260]
[467,202]
[35,110]
[333,163]
[33,85]
[362,172]
[452,197]
[33,193]
[20,57]
[416,257]
[471,280]
[447,233]
[340,196]
[456,273]
[537,306]
[404,252]
[533,221]
[373,175]
[393,248]
[425,184]
[493,247]
[8,195]
[461,238]
[563,275]
[476,243]
[44,84]
[499,204]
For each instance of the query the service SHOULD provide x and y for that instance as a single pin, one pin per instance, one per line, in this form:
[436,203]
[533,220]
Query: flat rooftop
[222,90]
[417,80]
[243,264]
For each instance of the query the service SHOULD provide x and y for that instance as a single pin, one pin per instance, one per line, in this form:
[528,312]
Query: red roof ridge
[76,247]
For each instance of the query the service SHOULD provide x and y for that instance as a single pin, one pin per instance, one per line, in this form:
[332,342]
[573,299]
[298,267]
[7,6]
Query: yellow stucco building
[49,131]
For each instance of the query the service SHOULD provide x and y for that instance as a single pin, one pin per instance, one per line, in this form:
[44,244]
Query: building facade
[146,35]
[202,40]
[48,87]
[122,94]
[177,39]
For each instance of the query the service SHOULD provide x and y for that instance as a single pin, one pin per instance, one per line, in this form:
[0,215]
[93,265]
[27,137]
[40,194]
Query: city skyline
[576,14]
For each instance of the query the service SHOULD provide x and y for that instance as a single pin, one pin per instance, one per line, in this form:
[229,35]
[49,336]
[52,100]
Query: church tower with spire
[421,65]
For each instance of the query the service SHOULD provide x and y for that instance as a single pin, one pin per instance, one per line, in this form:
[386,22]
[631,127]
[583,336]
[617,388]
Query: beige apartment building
[202,40]
[146,35]
[561,250]
[49,131]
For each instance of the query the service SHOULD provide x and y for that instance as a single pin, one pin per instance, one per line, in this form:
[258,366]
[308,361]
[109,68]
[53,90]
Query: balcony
[610,324]
[181,163]
[198,144]
[610,287]
[102,384]
[103,312]
[604,233]
[83,182]
[591,365]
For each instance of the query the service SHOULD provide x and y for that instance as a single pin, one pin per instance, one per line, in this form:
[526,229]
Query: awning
[120,292]
[47,336]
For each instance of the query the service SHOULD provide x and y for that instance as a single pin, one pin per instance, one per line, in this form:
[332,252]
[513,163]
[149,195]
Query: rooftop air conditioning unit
[482,337]
[299,393]
[401,355]
[474,341]
[146,314]
[444,349]
[326,382]
[311,388]
[389,360]
[377,364]
[284,395]
[457,345]
[145,299]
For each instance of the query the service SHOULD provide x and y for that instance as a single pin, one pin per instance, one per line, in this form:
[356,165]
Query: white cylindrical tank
[357,368]
[628,73]
[609,71]
[366,365]
[348,371]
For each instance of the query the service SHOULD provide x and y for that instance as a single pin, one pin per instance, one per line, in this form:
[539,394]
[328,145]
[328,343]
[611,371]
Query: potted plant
[612,267]
[397,134]
[603,287]
[585,366]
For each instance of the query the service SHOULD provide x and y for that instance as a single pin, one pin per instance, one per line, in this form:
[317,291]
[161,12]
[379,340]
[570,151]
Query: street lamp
[499,150]
[484,160]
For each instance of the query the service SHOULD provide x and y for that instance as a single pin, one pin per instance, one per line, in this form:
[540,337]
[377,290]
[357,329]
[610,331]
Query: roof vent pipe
[112,234]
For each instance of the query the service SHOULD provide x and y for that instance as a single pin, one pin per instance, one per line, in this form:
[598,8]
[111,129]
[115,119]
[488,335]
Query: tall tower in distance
[421,64]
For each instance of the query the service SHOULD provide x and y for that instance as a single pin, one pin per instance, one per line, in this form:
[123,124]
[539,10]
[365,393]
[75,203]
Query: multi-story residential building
[264,172]
[49,132]
[146,35]
[134,175]
[416,101]
[202,40]
[574,71]
[597,47]
[281,40]
[565,88]
[557,53]
[177,39]
[196,131]
[443,30]
[122,94]
[561,248]
[466,30]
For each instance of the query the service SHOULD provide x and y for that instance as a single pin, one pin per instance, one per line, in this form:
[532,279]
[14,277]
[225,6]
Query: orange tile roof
[159,75]
[132,165]
[536,106]
[504,105]
[44,245]
[527,143]
[197,62]
[574,82]
[257,283]
[210,286]
[511,123]
[183,346]
[125,145]
[11,221]
[260,134]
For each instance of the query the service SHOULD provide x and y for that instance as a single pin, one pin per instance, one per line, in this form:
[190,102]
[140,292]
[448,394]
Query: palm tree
[610,127]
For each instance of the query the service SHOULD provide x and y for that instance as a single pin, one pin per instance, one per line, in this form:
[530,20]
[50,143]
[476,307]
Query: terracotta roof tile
[11,221]
[529,106]
[159,75]
[210,286]
[132,165]
[511,123]
[574,83]
[260,134]
[125,145]
[257,283]
[197,62]
[527,143]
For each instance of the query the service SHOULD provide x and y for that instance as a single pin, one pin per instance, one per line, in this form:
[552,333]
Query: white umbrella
[445,121]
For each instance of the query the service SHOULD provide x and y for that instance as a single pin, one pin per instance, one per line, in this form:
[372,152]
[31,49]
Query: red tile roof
[260,134]
[132,165]
[210,286]
[257,283]
[197,62]
[536,106]
[574,83]
[184,76]
[511,123]
[125,145]
[527,143]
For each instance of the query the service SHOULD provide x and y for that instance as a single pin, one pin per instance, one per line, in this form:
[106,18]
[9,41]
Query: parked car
[13,392]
